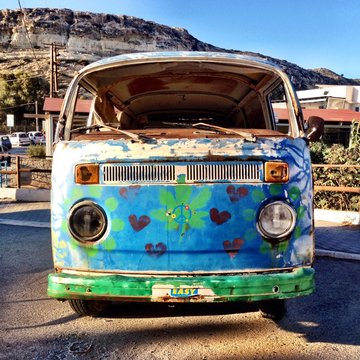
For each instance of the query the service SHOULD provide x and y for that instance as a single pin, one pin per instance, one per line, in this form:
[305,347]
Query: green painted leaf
[249,214]
[117,225]
[111,203]
[183,194]
[257,195]
[167,199]
[294,193]
[282,247]
[197,220]
[95,191]
[297,232]
[250,234]
[181,179]
[201,199]
[265,248]
[172,225]
[110,244]
[77,193]
[91,252]
[275,189]
[301,211]
[64,225]
[159,214]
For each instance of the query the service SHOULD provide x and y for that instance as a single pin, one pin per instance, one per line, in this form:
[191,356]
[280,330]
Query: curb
[37,224]
[342,217]
[30,195]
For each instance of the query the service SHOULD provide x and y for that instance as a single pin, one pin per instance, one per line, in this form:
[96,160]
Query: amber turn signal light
[276,172]
[87,174]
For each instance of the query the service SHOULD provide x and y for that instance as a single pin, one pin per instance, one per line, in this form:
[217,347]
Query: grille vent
[138,173]
[169,173]
[224,172]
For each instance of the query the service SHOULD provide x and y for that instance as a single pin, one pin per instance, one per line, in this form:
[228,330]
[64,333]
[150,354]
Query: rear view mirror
[315,128]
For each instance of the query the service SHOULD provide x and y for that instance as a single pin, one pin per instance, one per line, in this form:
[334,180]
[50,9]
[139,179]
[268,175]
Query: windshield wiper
[243,134]
[135,137]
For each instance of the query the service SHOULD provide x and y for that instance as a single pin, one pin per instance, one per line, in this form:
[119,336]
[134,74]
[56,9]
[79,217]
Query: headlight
[276,220]
[87,222]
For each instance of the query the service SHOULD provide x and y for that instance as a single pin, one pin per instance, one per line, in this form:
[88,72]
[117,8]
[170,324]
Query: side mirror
[315,128]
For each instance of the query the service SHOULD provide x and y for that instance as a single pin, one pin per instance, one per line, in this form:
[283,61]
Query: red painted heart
[233,247]
[236,195]
[125,192]
[219,217]
[139,224]
[156,251]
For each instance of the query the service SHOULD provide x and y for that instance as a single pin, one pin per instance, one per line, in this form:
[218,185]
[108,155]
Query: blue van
[179,187]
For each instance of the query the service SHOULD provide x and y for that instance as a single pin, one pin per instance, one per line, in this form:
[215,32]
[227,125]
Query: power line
[28,35]
[17,106]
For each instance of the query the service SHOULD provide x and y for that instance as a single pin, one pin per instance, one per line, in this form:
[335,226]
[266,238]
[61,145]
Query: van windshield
[178,95]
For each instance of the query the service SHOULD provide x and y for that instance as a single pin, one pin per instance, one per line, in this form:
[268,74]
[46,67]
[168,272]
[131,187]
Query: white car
[19,138]
[36,137]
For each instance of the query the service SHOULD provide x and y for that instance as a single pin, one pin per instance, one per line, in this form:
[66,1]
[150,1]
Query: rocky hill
[83,37]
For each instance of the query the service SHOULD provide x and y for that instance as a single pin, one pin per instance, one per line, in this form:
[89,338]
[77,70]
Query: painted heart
[139,224]
[233,247]
[125,192]
[236,194]
[219,217]
[156,251]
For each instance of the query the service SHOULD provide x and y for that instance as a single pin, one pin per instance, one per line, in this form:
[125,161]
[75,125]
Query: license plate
[183,292]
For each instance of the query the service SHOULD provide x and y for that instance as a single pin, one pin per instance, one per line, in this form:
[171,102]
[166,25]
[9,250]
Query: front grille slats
[193,172]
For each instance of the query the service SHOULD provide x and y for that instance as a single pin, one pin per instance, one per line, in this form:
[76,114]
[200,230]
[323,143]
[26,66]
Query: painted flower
[182,211]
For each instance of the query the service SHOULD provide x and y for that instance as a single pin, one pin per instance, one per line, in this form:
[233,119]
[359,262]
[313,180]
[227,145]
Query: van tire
[89,307]
[273,309]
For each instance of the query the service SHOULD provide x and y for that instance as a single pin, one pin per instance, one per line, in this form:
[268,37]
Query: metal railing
[3,177]
[345,189]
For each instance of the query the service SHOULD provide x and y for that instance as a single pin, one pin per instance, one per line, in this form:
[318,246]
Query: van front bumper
[216,288]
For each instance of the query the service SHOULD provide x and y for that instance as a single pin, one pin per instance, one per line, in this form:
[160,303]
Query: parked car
[36,137]
[19,138]
[4,150]
[5,141]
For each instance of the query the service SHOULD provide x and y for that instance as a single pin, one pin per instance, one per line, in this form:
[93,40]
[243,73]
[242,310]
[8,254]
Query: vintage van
[179,186]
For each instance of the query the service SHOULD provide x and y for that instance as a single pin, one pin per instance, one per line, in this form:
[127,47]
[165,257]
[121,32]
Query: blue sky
[309,33]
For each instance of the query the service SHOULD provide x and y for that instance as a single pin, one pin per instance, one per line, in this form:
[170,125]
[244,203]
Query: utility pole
[53,67]
[36,119]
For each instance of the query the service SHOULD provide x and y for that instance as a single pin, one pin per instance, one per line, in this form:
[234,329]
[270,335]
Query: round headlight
[276,220]
[87,221]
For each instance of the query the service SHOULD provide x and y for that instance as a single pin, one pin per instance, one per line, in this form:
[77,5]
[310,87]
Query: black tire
[89,307]
[273,309]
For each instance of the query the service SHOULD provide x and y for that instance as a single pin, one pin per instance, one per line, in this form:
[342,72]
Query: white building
[344,97]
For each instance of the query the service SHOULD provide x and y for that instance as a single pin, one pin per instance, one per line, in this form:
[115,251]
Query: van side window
[278,105]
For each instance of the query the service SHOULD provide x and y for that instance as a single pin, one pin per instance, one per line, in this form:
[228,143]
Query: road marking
[337,254]
[25,223]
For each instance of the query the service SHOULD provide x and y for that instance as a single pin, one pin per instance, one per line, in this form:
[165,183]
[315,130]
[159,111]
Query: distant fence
[344,189]
[18,171]
[22,170]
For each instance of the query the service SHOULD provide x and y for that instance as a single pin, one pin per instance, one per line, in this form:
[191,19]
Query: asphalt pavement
[332,239]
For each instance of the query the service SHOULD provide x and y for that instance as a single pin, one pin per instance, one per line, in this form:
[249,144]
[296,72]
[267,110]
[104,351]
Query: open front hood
[175,86]
[141,83]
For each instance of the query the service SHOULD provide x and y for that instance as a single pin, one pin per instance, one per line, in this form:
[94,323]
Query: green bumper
[249,287]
